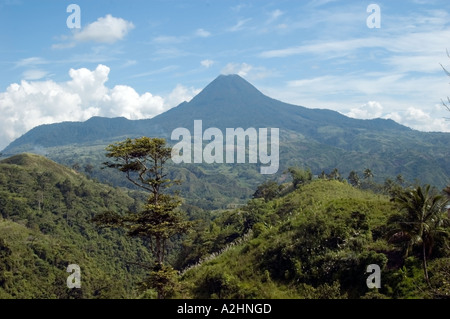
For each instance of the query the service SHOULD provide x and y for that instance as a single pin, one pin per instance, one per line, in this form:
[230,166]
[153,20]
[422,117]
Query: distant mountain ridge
[317,138]
[228,101]
[231,101]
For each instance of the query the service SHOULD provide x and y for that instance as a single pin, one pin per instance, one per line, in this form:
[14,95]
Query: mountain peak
[226,86]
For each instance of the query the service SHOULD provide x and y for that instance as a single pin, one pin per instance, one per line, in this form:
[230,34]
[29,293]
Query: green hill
[45,225]
[315,242]
[312,242]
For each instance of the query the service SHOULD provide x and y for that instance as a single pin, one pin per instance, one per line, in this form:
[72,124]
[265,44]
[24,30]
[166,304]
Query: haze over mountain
[317,138]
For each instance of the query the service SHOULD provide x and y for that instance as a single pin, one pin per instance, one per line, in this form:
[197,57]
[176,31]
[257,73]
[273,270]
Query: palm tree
[323,175]
[423,220]
[447,190]
[353,178]
[335,174]
[400,179]
[368,174]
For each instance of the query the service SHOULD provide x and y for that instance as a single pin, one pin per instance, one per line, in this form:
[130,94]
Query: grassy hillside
[45,225]
[315,242]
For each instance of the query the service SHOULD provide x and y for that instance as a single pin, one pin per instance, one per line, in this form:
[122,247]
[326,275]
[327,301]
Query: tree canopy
[143,162]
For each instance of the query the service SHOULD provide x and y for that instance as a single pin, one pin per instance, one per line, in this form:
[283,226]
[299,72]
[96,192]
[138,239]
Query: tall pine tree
[143,162]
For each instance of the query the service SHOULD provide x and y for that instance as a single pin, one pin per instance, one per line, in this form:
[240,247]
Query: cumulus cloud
[181,94]
[371,110]
[106,29]
[420,120]
[411,116]
[423,120]
[32,103]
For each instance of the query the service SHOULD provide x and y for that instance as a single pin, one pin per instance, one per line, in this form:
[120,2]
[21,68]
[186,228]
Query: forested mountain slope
[45,225]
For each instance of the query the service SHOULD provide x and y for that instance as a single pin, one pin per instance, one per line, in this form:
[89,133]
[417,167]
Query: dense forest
[306,237]
[45,225]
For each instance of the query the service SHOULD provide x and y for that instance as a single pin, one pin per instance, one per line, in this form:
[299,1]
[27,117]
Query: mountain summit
[318,138]
[227,102]
[231,101]
[225,86]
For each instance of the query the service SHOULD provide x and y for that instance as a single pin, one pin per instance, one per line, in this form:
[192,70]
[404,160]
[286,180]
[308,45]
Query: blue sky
[140,58]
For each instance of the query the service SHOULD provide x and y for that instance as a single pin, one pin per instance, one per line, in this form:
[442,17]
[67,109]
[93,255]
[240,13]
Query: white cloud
[419,119]
[420,51]
[239,7]
[61,46]
[31,103]
[318,3]
[33,61]
[325,48]
[248,71]
[168,39]
[240,69]
[107,29]
[125,101]
[409,100]
[361,86]
[371,110]
[393,116]
[419,63]
[181,94]
[239,25]
[202,33]
[165,69]
[34,74]
[207,63]
[129,63]
[274,15]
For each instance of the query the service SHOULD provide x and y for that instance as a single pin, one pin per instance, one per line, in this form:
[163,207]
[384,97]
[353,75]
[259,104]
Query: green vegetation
[143,161]
[305,237]
[45,225]
[319,139]
[315,242]
[303,233]
[424,221]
